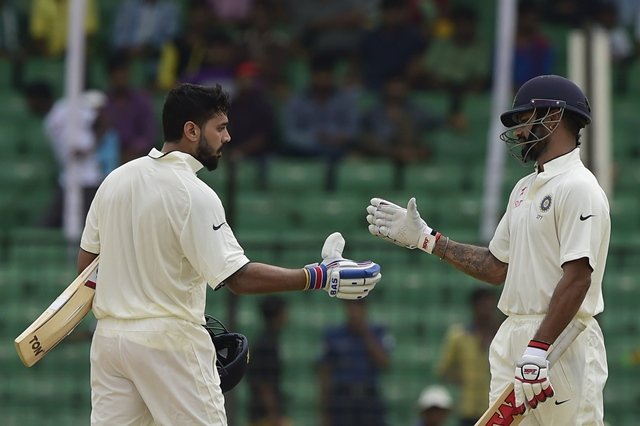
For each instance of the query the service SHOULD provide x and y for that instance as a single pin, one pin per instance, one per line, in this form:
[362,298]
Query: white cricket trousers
[156,371]
[578,377]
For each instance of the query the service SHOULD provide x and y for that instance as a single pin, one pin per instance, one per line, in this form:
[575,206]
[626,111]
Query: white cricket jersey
[553,217]
[162,236]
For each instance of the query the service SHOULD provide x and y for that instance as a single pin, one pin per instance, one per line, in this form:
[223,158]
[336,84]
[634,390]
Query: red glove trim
[539,345]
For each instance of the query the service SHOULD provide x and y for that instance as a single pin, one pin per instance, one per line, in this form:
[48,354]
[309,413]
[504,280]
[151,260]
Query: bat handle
[565,339]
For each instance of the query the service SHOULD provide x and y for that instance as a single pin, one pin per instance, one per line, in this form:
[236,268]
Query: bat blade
[503,411]
[59,319]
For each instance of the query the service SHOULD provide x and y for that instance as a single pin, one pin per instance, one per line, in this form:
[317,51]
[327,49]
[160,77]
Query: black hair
[271,307]
[190,102]
[118,60]
[574,124]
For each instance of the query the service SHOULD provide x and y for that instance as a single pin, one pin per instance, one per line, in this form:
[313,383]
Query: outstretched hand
[401,226]
[340,277]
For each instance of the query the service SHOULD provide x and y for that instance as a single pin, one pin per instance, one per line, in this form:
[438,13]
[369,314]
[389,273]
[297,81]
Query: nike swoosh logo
[215,228]
[561,402]
[583,218]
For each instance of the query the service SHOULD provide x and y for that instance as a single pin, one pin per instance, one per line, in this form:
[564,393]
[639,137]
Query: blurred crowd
[320,79]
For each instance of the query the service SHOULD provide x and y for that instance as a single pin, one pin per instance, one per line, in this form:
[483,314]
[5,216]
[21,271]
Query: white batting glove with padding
[401,226]
[340,277]
[532,385]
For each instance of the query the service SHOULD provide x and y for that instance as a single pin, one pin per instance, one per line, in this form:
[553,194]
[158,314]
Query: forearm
[84,259]
[565,302]
[475,261]
[257,278]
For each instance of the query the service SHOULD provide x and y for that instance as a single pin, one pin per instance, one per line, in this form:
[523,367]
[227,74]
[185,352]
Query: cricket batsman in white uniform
[162,236]
[549,250]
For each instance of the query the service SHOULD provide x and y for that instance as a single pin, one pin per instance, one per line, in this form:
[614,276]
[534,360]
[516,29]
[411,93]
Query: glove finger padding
[520,397]
[377,202]
[532,378]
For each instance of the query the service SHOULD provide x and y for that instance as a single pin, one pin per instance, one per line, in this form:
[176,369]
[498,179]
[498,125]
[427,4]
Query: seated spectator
[267,41]
[182,55]
[434,405]
[323,120]
[129,110]
[534,54]
[395,126]
[332,27]
[458,65]
[251,121]
[142,27]
[390,47]
[217,64]
[49,23]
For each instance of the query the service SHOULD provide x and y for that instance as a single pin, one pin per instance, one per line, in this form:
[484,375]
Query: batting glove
[532,384]
[340,277]
[401,226]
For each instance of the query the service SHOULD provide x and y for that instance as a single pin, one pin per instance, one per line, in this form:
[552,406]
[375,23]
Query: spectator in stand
[49,23]
[395,127]
[81,149]
[434,406]
[353,357]
[264,372]
[465,356]
[622,49]
[129,110]
[252,121]
[323,120]
[267,41]
[391,47]
[142,27]
[332,27]
[534,54]
[458,65]
[218,62]
[183,55]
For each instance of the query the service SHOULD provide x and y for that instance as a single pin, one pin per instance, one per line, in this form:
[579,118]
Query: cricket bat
[502,411]
[59,319]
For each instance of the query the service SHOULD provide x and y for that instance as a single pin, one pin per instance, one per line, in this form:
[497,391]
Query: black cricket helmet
[549,98]
[232,353]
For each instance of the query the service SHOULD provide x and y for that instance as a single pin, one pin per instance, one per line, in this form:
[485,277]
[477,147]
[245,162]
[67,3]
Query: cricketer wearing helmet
[549,250]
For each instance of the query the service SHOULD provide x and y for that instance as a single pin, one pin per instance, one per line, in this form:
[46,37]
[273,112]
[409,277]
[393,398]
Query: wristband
[537,348]
[316,277]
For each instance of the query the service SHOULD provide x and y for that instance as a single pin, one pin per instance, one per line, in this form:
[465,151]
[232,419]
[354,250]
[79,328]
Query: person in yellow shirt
[465,356]
[49,23]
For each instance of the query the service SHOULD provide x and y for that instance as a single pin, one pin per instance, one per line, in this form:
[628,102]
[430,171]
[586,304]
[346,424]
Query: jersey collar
[561,164]
[177,157]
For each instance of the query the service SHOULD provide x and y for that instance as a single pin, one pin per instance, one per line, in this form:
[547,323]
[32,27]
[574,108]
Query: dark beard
[206,155]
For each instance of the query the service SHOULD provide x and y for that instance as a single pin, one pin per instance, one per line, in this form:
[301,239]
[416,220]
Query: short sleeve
[499,244]
[90,240]
[583,221]
[208,241]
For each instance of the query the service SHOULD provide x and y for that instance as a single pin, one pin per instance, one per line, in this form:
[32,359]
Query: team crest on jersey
[545,204]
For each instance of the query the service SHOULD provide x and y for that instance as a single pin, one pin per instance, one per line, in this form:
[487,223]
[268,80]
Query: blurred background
[333,102]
